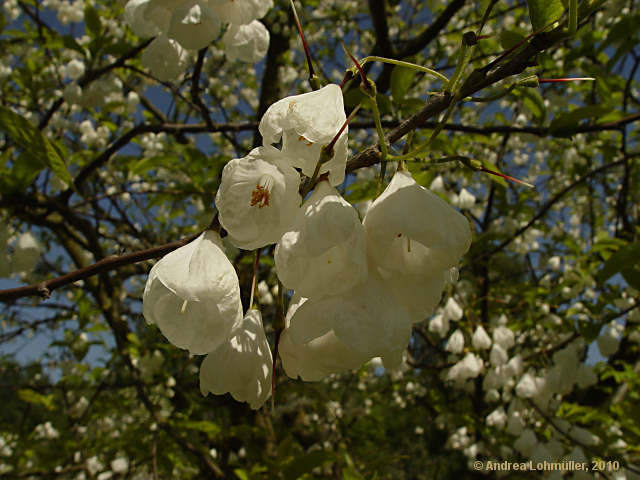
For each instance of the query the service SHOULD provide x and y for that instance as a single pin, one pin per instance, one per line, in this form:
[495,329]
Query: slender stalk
[254,279]
[573,16]
[400,63]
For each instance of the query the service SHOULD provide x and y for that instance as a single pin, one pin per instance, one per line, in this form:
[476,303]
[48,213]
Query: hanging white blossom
[323,252]
[240,12]
[413,238]
[248,43]
[194,25]
[193,296]
[318,358]
[165,58]
[305,123]
[241,366]
[258,198]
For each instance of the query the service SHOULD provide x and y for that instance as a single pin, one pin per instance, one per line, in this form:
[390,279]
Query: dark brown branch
[44,289]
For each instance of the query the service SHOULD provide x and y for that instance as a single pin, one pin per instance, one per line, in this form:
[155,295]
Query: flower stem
[400,63]
[255,277]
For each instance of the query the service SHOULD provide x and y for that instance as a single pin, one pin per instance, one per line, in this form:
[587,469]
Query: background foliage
[88,390]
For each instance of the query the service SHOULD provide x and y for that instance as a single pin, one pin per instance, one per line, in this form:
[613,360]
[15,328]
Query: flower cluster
[181,25]
[193,296]
[358,285]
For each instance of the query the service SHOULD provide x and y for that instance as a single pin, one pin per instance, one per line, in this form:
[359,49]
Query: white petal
[326,239]
[194,25]
[323,355]
[481,339]
[26,254]
[306,123]
[242,366]
[240,12]
[193,296]
[411,229]
[366,318]
[248,43]
[255,224]
[165,58]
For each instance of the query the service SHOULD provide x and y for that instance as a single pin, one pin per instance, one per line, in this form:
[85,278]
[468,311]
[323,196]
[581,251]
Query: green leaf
[92,21]
[204,426]
[41,151]
[490,166]
[509,38]
[543,12]
[306,463]
[401,80]
[31,396]
[632,276]
[152,163]
[623,259]
[69,42]
[569,120]
[241,474]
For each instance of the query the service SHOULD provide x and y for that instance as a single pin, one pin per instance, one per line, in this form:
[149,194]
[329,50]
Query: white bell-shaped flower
[414,237]
[248,43]
[241,366]
[455,344]
[165,58]
[147,18]
[193,295]
[498,355]
[504,337]
[258,198]
[194,25]
[480,339]
[240,12]
[306,123]
[469,367]
[366,318]
[26,254]
[609,340]
[318,358]
[323,252]
[439,324]
[452,310]
[527,387]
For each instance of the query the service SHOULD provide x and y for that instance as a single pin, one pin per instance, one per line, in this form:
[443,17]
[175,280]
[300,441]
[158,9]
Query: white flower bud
[452,310]
[480,339]
[455,343]
[498,355]
[497,418]
[527,386]
[465,199]
[504,337]
[75,69]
